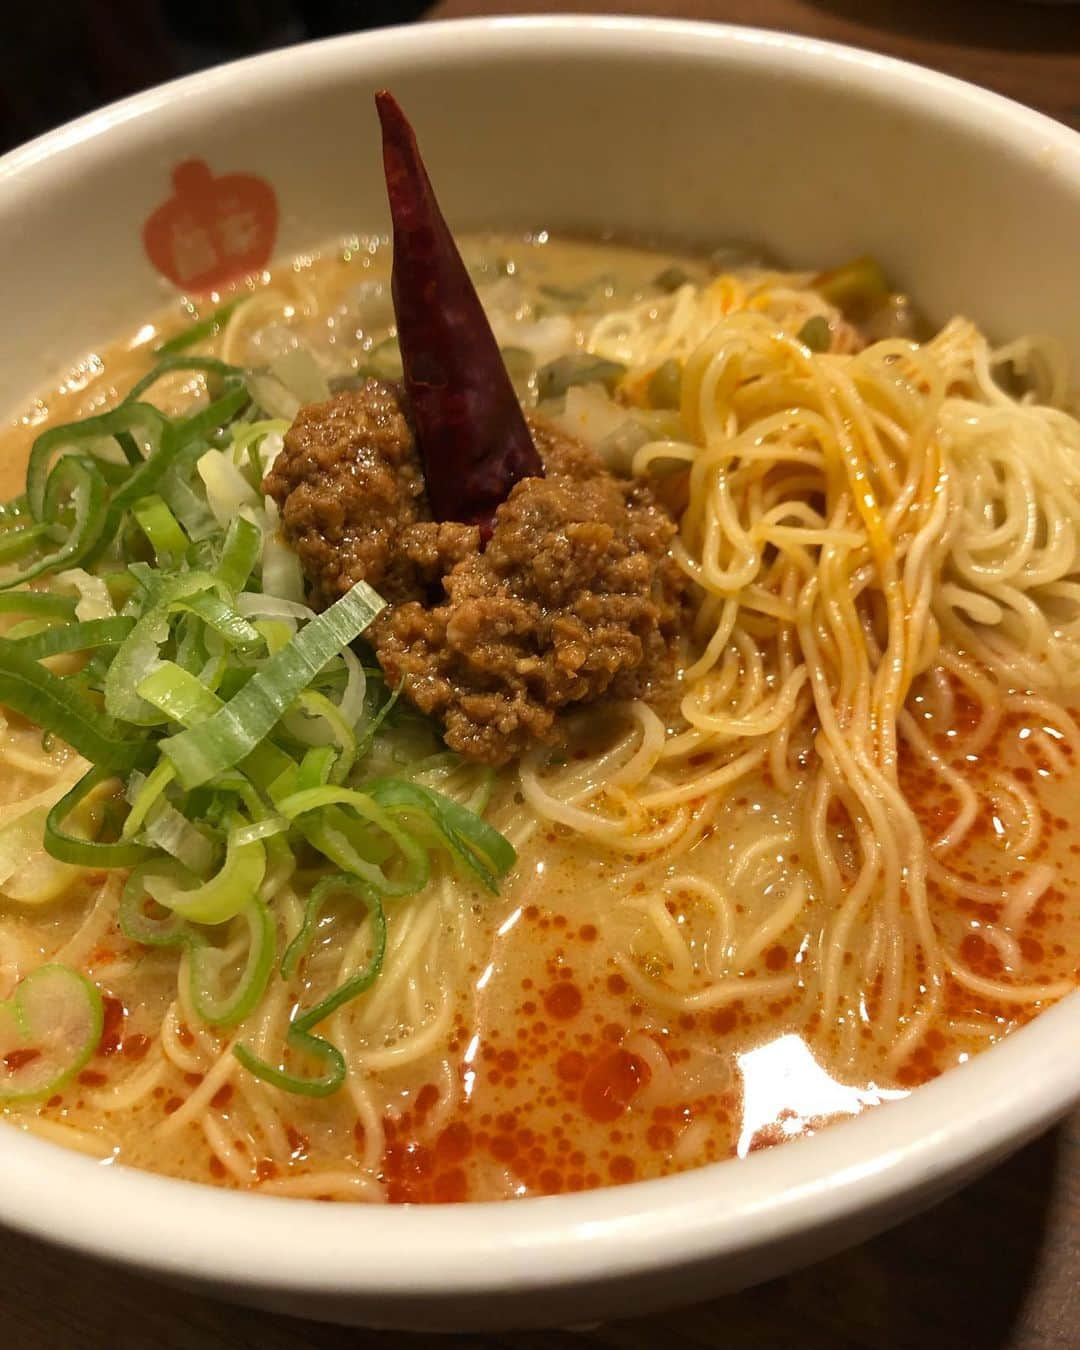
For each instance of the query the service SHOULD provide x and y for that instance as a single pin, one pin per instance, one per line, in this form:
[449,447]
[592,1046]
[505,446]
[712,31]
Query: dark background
[62,58]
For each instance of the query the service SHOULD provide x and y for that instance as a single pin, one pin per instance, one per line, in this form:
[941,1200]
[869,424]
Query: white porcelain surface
[679,131]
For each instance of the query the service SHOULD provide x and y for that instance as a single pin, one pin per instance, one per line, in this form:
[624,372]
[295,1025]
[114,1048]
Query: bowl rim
[971,1114]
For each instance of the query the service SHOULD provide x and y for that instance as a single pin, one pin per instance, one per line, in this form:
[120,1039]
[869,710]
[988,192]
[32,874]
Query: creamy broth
[628,1006]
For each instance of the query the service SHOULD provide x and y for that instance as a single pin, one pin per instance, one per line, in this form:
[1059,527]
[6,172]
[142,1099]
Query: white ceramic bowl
[697,133]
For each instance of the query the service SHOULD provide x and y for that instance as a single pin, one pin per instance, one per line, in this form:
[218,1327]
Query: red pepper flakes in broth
[15,1060]
[612,1083]
[469,426]
[112,1026]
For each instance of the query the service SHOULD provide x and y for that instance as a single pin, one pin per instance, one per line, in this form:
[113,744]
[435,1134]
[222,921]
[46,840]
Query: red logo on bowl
[212,230]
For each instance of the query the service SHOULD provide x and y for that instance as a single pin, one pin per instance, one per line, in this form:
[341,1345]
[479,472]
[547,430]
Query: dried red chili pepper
[469,426]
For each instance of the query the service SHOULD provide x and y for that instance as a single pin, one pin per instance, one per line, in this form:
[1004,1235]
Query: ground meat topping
[575,595]
[348,482]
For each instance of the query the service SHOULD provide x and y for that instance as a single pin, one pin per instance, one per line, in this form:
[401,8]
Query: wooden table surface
[995,1268]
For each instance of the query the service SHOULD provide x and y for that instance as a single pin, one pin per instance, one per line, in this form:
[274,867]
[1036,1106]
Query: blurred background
[61,58]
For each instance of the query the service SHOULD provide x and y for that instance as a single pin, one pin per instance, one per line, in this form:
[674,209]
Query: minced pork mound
[575,595]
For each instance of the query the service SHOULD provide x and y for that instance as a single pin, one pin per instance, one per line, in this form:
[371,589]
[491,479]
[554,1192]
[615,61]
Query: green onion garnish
[200,330]
[220,743]
[228,727]
[299,1037]
[49,1028]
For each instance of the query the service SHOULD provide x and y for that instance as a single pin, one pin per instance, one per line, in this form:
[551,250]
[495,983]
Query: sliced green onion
[76,637]
[212,672]
[267,828]
[470,839]
[299,1036]
[209,365]
[206,963]
[334,834]
[280,861]
[161,528]
[71,848]
[75,480]
[282,574]
[139,653]
[169,930]
[227,891]
[170,442]
[181,696]
[192,642]
[143,793]
[15,544]
[363,979]
[200,330]
[178,439]
[319,894]
[276,633]
[205,960]
[170,831]
[49,1028]
[266,765]
[76,436]
[14,513]
[325,1085]
[239,553]
[247,443]
[269,394]
[37,602]
[44,698]
[202,752]
[27,628]
[243,787]
[224,620]
[317,721]
[187,505]
[273,606]
[315,768]
[354,695]
[367,740]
